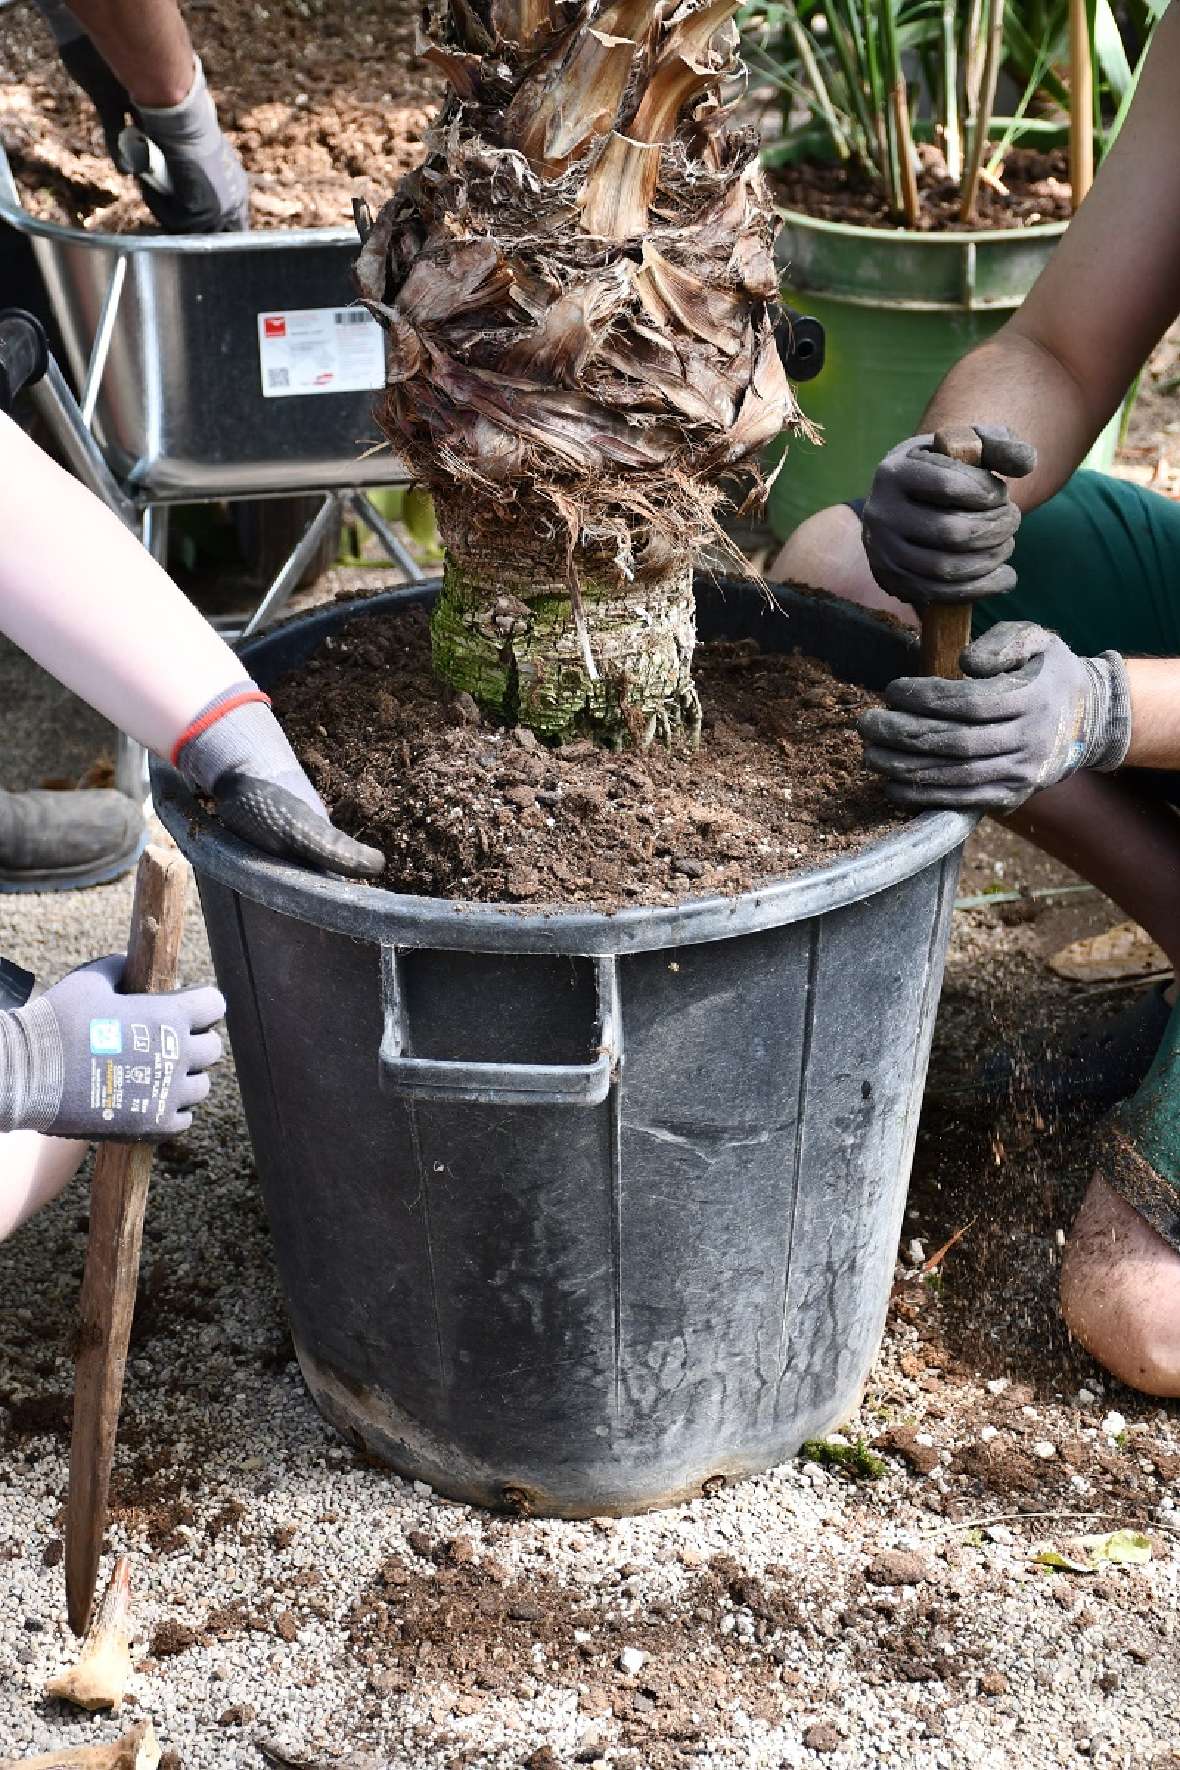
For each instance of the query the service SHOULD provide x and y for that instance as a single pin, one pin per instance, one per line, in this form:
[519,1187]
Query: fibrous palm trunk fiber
[579,291]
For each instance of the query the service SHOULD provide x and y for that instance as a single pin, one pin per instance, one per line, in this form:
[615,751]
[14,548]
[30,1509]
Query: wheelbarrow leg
[279,594]
[131,759]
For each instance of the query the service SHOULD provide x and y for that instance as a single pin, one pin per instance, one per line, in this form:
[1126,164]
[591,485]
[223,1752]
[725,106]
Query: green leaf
[1054,1558]
[1129,1548]
[1109,53]
[1126,1547]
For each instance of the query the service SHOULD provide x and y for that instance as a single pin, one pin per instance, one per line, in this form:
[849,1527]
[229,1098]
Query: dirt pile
[322,102]
[465,809]
[1032,188]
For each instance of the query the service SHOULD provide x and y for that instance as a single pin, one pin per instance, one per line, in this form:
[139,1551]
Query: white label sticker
[320,350]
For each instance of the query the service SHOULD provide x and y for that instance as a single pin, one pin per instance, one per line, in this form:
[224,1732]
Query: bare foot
[1120,1292]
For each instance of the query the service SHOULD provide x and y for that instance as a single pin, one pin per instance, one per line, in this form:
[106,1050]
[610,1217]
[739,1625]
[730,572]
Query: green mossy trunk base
[504,631]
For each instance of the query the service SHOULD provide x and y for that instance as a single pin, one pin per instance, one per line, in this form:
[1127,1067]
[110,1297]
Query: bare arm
[33,1170]
[1155,713]
[82,597]
[1057,371]
[146,42]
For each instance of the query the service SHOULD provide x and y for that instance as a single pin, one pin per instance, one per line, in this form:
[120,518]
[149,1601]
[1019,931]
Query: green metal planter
[899,310]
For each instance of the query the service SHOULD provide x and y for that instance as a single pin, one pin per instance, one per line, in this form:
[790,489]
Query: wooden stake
[946,627]
[118,1196]
[1081,103]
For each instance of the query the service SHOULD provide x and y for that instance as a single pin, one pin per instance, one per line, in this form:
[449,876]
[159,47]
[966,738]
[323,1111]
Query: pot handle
[499,1084]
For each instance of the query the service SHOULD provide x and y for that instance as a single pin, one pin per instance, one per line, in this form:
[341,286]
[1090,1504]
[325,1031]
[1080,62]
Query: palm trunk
[579,292]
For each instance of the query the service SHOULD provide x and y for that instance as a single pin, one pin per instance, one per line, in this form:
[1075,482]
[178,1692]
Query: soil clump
[466,809]
[1032,188]
[322,102]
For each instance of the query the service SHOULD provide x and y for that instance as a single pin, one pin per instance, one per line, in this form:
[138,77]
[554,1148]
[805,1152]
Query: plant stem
[817,82]
[897,117]
[905,153]
[844,55]
[1081,103]
[983,109]
[952,139]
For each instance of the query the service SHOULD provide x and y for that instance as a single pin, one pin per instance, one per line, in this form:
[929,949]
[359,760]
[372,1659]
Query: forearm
[33,1171]
[82,597]
[145,42]
[1056,372]
[1015,380]
[1155,713]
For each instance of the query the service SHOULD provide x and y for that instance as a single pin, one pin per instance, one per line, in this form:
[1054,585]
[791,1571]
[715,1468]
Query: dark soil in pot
[466,809]
[1033,188]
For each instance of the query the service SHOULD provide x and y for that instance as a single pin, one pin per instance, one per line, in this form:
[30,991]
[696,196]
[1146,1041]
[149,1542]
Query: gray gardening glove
[1027,713]
[190,177]
[936,530]
[84,1060]
[242,760]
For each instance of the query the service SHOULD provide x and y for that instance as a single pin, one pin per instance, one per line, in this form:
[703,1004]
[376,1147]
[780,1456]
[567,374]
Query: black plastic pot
[578,1212]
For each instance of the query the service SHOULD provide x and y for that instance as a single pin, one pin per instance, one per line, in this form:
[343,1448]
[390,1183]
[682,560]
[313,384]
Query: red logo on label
[323,378]
[275,327]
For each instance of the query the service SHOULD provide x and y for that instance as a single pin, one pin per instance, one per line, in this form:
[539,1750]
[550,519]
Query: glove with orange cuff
[236,751]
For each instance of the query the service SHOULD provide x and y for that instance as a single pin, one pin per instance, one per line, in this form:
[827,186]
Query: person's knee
[826,553]
[820,551]
[1120,1292]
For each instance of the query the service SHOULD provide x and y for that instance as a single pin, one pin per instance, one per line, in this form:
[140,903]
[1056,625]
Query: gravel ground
[288,1592]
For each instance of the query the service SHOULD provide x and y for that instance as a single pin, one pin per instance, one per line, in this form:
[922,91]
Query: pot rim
[372,913]
[909,236]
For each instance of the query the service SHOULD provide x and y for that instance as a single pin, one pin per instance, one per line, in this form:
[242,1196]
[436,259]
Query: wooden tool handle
[946,627]
[118,1196]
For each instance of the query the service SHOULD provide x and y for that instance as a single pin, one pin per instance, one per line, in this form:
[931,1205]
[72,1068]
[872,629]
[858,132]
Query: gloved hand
[83,1060]
[237,752]
[1026,714]
[190,177]
[936,530]
[103,88]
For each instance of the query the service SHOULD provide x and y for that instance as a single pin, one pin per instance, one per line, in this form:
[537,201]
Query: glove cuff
[32,1067]
[240,694]
[1109,720]
[237,734]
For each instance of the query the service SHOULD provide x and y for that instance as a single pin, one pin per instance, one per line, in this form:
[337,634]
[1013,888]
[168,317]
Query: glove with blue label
[1026,713]
[84,1060]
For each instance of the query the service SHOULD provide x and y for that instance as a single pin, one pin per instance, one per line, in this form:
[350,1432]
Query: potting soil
[322,102]
[464,808]
[1032,188]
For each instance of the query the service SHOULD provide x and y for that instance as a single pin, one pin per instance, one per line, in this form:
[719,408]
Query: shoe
[64,841]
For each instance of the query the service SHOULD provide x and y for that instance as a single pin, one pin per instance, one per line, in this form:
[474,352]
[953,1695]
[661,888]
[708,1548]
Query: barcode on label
[353,316]
[278,378]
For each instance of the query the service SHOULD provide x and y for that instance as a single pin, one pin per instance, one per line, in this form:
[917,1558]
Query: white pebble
[997,1385]
[987,1433]
[1113,1423]
[1086,1397]
[632,1661]
[915,1253]
[1043,1449]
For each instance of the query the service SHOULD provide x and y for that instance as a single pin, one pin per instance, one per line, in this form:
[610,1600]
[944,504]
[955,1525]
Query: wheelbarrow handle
[24,353]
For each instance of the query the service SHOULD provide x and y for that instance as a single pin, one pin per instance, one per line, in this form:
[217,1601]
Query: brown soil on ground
[463,808]
[1033,188]
[323,103]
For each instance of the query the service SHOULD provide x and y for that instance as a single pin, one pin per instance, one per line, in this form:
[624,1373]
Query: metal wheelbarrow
[223,367]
